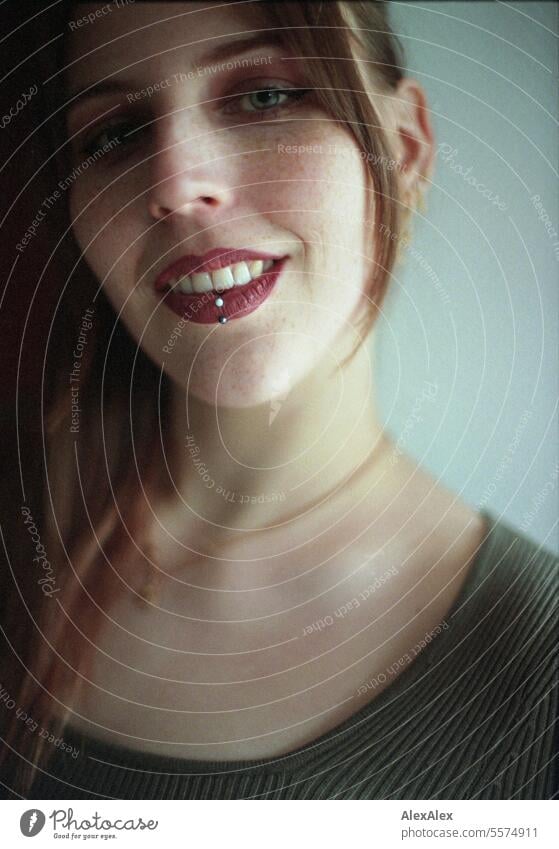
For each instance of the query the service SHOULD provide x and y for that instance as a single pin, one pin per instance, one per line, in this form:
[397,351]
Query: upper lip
[210,261]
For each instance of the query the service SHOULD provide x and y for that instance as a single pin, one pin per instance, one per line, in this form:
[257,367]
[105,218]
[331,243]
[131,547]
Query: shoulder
[517,578]
[506,658]
[513,603]
[513,562]
[508,612]
[512,584]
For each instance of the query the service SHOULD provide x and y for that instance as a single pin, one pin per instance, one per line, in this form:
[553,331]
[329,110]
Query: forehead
[103,38]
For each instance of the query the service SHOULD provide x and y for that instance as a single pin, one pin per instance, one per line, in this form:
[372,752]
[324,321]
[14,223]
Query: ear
[412,136]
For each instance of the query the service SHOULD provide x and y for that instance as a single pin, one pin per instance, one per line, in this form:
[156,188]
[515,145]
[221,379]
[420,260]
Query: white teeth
[241,273]
[238,274]
[202,282]
[223,278]
[255,267]
[185,284]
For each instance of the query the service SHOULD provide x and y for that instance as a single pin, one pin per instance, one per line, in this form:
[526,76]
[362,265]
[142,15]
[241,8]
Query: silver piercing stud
[222,319]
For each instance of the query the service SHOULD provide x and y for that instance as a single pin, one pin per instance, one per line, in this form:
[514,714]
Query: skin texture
[242,573]
[225,182]
[196,178]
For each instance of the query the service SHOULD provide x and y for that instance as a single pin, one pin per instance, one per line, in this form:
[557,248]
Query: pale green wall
[482,325]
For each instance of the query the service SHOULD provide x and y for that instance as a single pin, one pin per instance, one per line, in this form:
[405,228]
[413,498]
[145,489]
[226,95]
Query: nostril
[158,212]
[209,201]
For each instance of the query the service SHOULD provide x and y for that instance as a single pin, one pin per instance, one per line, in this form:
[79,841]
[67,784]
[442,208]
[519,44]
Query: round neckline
[320,747]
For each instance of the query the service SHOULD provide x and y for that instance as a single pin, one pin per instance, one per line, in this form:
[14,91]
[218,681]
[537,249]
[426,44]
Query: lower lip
[237,302]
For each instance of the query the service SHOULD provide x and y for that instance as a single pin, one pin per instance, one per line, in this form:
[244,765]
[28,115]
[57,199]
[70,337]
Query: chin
[237,382]
[229,399]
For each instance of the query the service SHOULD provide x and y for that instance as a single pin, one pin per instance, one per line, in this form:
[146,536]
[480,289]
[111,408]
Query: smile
[217,291]
[224,278]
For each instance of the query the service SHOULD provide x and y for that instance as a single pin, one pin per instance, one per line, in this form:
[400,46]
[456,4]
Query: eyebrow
[220,53]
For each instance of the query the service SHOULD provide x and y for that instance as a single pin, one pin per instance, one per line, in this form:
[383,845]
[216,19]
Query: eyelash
[293,96]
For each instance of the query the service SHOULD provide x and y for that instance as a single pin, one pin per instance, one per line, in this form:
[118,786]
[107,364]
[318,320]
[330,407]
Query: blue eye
[118,134]
[264,99]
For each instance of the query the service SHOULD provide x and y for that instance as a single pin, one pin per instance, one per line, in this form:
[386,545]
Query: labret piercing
[219,303]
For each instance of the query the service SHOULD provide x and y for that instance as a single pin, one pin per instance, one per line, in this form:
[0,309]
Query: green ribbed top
[472,717]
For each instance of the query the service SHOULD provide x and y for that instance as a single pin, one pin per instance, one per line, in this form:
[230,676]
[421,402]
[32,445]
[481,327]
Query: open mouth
[239,274]
[227,293]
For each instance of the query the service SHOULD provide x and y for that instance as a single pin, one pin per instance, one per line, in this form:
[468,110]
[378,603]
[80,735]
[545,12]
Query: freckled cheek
[288,177]
[330,185]
[323,202]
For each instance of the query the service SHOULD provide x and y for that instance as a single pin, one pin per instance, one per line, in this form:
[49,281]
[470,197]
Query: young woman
[247,589]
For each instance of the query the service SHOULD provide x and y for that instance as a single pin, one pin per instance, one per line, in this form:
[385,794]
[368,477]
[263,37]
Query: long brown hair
[72,494]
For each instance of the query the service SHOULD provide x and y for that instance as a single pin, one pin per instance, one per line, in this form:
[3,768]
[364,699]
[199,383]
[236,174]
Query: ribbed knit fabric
[472,717]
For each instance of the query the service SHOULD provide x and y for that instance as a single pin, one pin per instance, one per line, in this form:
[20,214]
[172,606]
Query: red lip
[233,303]
[210,261]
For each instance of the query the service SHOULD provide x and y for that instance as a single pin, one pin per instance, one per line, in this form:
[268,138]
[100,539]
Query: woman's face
[210,166]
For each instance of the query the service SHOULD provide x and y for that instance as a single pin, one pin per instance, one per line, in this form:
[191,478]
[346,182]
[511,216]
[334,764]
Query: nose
[189,177]
[159,211]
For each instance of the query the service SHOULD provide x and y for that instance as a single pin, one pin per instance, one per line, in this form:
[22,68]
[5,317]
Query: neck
[252,469]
